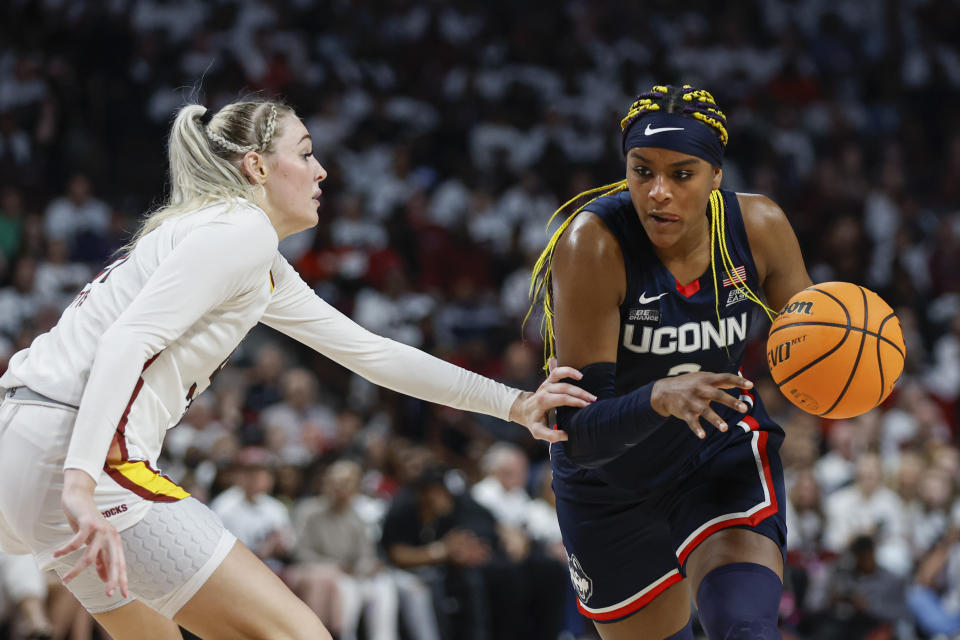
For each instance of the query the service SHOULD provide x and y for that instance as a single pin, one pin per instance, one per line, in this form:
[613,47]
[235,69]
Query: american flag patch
[739,277]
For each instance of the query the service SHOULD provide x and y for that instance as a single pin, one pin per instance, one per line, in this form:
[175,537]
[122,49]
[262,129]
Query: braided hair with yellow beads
[680,102]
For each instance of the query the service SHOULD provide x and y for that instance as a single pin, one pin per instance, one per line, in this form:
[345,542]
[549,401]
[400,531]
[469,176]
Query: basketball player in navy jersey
[670,485]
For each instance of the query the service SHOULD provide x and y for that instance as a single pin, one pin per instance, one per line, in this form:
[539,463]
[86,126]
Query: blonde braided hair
[204,152]
[270,127]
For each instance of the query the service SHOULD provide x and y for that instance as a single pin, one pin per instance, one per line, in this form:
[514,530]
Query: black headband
[674,132]
[205,118]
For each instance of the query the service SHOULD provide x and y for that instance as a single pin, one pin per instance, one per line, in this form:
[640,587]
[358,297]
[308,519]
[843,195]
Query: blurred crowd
[451,132]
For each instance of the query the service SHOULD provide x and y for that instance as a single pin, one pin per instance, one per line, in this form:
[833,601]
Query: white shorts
[170,554]
[34,437]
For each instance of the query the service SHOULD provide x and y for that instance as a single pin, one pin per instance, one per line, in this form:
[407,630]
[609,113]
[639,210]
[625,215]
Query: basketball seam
[879,361]
[828,353]
[853,369]
[837,324]
[815,361]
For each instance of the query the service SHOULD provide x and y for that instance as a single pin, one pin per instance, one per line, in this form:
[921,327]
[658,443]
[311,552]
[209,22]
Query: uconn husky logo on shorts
[582,583]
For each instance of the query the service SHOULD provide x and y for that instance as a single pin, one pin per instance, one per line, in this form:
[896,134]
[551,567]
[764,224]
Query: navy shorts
[624,554]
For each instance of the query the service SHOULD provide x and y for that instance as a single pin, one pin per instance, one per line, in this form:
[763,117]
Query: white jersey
[148,333]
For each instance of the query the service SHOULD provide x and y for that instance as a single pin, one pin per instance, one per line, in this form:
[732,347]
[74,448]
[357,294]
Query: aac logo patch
[582,583]
[735,296]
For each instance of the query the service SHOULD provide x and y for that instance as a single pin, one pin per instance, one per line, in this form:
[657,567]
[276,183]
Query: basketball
[836,350]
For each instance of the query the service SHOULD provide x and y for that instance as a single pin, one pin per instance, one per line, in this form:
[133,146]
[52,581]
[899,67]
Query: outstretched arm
[299,313]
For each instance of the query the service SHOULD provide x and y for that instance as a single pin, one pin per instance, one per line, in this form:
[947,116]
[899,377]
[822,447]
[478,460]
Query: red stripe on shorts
[637,604]
[752,520]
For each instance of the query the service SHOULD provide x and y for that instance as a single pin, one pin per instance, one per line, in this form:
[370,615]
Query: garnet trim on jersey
[137,475]
[122,425]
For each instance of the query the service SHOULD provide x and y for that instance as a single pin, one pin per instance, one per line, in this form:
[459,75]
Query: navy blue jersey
[668,328]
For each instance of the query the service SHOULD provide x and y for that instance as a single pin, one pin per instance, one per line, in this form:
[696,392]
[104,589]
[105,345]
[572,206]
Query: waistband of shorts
[27,394]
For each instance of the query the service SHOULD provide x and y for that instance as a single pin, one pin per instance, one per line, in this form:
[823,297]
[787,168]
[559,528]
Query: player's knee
[740,601]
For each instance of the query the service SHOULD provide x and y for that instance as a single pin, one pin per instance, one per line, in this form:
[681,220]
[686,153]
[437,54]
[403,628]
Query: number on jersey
[98,279]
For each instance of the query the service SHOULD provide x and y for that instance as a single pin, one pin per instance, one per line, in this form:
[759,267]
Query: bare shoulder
[776,252]
[589,240]
[760,213]
[588,260]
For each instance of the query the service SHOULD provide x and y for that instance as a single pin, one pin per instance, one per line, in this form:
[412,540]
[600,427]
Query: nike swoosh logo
[649,132]
[645,300]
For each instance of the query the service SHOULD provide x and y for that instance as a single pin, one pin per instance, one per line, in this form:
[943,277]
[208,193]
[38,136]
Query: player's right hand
[103,545]
[688,397]
[531,409]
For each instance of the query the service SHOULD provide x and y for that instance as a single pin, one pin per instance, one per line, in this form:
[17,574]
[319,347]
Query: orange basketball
[836,350]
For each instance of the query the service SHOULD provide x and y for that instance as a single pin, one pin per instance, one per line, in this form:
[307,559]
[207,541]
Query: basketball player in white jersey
[88,403]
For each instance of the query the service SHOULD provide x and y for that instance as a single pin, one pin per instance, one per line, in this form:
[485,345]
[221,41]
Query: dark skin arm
[589,284]
[775,249]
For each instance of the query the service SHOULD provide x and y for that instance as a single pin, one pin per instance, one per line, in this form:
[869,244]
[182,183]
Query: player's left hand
[530,409]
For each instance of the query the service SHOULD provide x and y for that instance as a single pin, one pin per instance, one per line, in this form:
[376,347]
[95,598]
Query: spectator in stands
[264,388]
[869,508]
[23,592]
[934,598]
[12,214]
[248,511]
[58,280]
[503,488]
[503,492]
[329,531]
[805,517]
[807,570]
[452,542]
[298,419]
[79,218]
[20,303]
[544,529]
[836,469]
[929,517]
[866,600]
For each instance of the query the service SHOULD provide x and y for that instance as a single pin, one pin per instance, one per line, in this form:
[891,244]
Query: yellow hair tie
[718,238]
[540,279]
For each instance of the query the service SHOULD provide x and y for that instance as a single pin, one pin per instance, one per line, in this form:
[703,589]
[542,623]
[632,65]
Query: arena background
[451,131]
